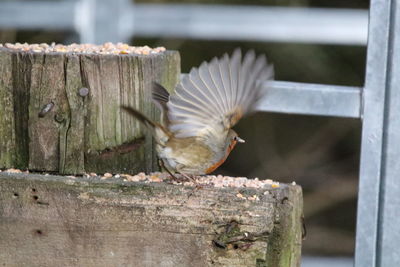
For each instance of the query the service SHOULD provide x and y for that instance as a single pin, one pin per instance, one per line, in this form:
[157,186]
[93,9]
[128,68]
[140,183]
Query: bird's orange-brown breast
[219,163]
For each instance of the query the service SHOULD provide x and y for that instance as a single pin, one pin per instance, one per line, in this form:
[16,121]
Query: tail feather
[160,134]
[160,97]
[139,116]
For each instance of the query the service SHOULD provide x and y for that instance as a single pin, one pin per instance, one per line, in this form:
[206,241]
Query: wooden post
[59,221]
[61,111]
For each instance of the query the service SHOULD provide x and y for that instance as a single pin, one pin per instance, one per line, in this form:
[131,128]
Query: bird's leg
[188,178]
[173,177]
[161,163]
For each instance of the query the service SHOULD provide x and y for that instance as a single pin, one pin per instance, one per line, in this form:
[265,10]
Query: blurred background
[326,46]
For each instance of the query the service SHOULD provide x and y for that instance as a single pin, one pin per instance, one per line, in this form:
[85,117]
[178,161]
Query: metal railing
[98,21]
[377,103]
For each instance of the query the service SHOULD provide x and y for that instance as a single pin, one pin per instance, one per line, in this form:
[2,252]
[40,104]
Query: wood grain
[58,221]
[46,125]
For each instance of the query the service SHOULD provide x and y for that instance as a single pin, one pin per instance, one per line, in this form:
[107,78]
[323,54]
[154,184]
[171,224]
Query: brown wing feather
[212,98]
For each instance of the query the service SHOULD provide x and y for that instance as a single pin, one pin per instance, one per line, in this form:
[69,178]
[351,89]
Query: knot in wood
[59,118]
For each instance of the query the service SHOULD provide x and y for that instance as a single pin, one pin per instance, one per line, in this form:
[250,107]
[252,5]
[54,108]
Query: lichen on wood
[46,124]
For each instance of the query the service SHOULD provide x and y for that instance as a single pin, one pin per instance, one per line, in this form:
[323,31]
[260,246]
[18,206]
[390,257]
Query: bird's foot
[189,178]
[173,177]
[181,178]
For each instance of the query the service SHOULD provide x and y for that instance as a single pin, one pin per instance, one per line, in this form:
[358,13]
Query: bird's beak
[240,140]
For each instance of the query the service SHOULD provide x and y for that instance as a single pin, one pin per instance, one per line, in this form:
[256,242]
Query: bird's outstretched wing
[212,98]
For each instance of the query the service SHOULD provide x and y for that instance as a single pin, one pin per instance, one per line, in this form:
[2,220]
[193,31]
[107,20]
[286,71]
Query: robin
[195,135]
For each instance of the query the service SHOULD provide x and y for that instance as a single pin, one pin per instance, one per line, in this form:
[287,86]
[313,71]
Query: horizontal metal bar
[259,23]
[313,261]
[57,15]
[218,22]
[312,99]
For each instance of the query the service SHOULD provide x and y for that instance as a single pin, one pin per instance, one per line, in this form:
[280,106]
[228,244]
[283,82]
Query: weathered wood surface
[79,133]
[58,221]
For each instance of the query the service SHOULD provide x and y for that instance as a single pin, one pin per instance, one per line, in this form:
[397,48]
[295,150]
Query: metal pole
[378,226]
[100,21]
[389,213]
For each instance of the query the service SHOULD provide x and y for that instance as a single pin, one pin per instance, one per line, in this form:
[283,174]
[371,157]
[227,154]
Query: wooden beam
[60,221]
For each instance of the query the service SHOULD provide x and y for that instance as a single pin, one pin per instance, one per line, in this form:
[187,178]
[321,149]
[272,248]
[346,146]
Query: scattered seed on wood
[107,175]
[104,49]
[208,180]
[275,185]
[12,170]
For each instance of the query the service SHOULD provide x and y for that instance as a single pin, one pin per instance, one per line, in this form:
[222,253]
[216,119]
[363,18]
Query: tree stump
[60,221]
[60,112]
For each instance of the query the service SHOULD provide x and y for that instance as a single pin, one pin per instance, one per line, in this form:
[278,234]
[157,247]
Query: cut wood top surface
[104,49]
[211,181]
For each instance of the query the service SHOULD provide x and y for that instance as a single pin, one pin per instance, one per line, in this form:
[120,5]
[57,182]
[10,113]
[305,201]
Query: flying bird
[195,135]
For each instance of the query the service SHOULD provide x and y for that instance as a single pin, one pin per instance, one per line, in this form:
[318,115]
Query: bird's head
[232,139]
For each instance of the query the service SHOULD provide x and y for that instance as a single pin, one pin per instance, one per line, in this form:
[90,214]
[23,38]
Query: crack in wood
[233,237]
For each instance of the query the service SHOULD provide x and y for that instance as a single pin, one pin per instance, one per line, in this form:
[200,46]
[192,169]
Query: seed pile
[211,180]
[104,49]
